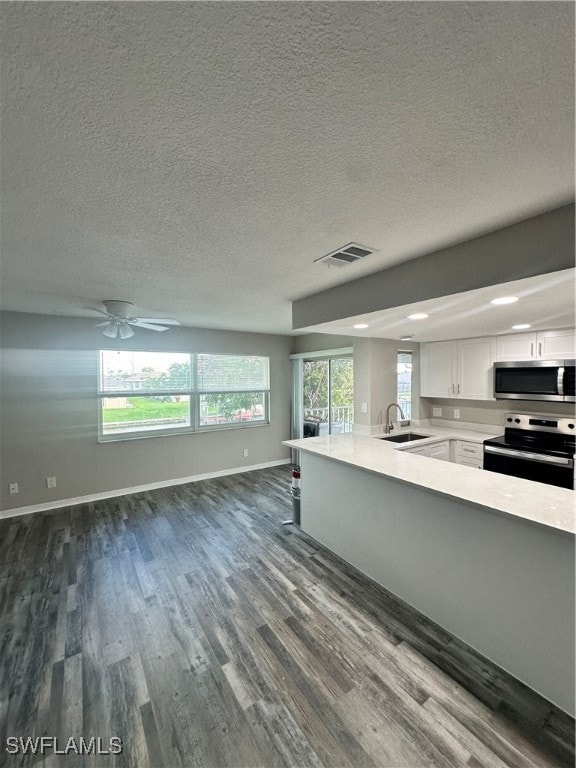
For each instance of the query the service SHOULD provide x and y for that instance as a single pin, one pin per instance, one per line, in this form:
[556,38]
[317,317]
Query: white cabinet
[469,454]
[521,346]
[439,450]
[552,345]
[544,345]
[457,369]
[438,369]
[458,451]
[475,358]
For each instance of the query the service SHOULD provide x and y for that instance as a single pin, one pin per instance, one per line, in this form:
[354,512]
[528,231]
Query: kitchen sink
[404,437]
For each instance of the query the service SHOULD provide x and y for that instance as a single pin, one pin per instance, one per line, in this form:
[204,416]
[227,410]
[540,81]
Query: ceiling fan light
[126,332]
[111,331]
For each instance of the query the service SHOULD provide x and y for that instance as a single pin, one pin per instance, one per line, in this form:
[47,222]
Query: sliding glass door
[327,396]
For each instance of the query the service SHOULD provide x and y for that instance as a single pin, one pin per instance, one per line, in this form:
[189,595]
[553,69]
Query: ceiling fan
[119,321]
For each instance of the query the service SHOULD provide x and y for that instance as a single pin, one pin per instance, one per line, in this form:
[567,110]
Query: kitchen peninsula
[488,557]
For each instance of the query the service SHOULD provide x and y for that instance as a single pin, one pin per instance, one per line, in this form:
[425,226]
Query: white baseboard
[136,489]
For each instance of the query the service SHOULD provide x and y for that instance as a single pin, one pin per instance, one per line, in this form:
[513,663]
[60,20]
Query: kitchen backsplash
[488,412]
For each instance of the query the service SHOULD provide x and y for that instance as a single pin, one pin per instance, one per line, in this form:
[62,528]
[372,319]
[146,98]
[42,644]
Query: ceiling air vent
[348,254]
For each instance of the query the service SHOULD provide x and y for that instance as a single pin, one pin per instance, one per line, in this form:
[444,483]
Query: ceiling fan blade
[150,326]
[163,320]
[107,322]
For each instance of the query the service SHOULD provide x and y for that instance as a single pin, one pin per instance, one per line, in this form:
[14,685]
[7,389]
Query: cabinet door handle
[532,349]
[540,349]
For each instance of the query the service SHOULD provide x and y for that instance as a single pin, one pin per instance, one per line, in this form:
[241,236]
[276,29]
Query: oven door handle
[530,456]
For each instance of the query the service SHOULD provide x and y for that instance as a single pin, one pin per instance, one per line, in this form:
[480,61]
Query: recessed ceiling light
[521,326]
[504,300]
[418,316]
[360,325]
[406,338]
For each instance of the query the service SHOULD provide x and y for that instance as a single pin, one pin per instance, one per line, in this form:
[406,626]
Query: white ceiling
[195,158]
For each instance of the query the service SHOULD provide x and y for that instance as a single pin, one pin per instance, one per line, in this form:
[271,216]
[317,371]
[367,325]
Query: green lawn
[144,408]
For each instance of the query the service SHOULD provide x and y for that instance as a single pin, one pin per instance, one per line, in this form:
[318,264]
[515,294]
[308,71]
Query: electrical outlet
[456,413]
[50,482]
[436,411]
[245,453]
[13,487]
[364,408]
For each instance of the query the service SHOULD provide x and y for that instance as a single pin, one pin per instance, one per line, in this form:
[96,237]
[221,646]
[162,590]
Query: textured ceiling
[195,158]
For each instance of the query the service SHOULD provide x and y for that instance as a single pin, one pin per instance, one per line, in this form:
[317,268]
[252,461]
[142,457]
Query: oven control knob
[570,426]
[509,419]
[517,421]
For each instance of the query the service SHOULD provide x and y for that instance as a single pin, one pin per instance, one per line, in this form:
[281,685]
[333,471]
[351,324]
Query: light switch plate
[456,413]
[436,411]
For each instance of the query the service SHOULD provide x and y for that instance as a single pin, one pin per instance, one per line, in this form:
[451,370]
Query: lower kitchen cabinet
[457,451]
[470,454]
[439,450]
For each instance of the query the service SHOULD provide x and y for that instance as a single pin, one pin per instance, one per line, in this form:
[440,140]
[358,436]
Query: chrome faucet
[389,426]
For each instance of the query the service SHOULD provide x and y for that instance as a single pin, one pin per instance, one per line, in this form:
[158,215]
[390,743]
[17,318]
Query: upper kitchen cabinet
[475,377]
[544,345]
[520,346]
[438,369]
[457,369]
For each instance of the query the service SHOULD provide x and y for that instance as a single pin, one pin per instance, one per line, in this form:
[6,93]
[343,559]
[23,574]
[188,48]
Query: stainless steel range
[536,447]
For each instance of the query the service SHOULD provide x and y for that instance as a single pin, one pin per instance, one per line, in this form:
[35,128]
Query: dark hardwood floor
[190,624]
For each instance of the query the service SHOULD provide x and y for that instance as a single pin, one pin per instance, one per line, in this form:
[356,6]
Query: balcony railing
[406,406]
[342,418]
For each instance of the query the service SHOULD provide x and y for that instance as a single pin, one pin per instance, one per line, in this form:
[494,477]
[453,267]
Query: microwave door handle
[560,380]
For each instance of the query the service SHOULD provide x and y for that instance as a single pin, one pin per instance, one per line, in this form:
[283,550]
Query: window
[232,389]
[156,393]
[404,383]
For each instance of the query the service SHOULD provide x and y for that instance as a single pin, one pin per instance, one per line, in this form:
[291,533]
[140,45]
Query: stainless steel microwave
[535,380]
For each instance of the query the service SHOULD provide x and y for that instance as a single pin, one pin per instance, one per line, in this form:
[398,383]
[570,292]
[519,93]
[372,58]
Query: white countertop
[533,502]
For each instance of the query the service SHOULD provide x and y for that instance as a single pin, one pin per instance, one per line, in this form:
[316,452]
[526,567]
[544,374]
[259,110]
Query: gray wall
[536,246]
[376,380]
[316,342]
[49,412]
[375,374]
